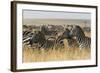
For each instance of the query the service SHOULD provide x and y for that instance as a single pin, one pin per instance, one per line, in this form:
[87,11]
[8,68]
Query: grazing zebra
[71,42]
[82,40]
[38,39]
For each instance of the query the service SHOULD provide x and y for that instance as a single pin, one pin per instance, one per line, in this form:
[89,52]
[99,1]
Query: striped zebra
[39,40]
[71,42]
[27,36]
[82,40]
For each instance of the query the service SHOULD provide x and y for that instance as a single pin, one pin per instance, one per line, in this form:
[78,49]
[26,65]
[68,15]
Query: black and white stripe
[38,40]
[27,36]
[82,40]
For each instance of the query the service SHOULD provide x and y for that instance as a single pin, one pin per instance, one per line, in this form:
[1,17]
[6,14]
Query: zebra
[82,40]
[39,40]
[27,36]
[71,42]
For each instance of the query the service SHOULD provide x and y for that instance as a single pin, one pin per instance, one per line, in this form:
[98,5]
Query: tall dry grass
[37,55]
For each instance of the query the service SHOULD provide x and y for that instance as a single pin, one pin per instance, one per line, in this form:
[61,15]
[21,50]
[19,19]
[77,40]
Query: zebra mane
[79,29]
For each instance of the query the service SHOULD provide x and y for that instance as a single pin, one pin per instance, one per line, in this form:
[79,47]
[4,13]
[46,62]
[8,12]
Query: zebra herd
[43,38]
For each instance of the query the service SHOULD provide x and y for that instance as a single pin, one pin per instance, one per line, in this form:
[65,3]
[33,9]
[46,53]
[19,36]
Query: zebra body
[82,40]
[71,42]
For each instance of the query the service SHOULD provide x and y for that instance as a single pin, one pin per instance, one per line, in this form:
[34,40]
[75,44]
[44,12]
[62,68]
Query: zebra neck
[80,38]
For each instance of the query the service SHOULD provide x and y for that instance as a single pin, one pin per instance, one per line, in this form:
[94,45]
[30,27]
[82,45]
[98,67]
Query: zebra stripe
[82,40]
[27,36]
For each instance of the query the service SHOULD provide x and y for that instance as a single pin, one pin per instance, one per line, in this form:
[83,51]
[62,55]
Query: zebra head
[38,37]
[66,34]
[77,31]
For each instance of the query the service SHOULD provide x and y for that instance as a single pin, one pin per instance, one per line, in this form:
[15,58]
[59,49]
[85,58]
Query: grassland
[59,54]
[30,55]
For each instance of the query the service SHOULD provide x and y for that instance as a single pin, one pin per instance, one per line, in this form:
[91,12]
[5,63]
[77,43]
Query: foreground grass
[37,55]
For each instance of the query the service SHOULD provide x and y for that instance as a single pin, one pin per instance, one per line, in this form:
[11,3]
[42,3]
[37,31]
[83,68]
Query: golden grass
[36,55]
